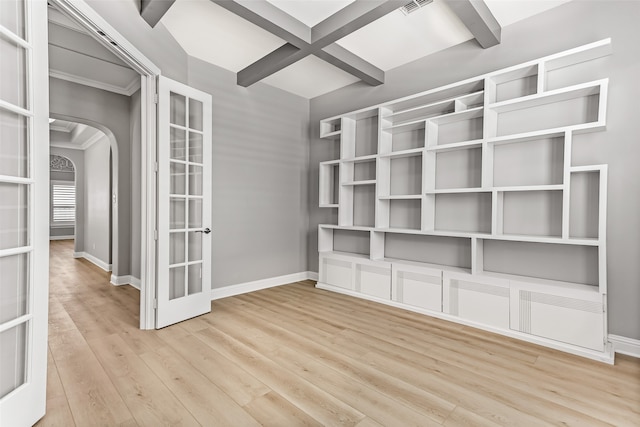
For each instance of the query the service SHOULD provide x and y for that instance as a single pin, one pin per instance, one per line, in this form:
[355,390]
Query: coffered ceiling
[211,31]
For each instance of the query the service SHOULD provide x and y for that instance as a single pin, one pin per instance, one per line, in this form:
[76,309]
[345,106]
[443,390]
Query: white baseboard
[624,345]
[125,280]
[71,237]
[243,288]
[312,275]
[92,259]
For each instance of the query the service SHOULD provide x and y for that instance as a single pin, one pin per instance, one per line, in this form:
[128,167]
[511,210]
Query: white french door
[24,210]
[184,203]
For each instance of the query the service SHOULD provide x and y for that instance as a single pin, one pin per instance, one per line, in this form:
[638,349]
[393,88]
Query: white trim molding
[69,237]
[244,288]
[624,345]
[92,259]
[125,280]
[131,88]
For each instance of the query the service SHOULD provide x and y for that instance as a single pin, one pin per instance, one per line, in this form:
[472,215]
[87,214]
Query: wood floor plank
[92,397]
[276,411]
[149,401]
[317,403]
[296,355]
[240,385]
[429,404]
[205,400]
[57,403]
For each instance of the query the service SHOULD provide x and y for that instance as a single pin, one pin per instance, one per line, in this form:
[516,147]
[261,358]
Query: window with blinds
[63,203]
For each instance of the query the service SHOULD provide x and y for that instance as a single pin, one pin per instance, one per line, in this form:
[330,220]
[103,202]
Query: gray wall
[570,25]
[136,202]
[77,157]
[97,200]
[260,149]
[108,112]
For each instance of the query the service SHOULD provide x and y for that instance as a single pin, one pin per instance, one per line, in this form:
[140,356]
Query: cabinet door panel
[576,320]
[416,286]
[373,280]
[336,272]
[479,299]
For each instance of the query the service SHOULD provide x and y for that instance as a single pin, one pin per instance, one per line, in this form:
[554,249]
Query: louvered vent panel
[414,5]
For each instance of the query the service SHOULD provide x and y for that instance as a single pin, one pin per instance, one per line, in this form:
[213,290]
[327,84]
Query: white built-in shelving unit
[462,202]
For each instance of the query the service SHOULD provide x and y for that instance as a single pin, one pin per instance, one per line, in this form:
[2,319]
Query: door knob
[205,231]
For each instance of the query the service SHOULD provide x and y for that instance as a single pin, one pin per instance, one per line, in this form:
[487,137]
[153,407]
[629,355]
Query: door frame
[109,37]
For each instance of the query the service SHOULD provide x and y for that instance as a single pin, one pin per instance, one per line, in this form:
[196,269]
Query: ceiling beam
[270,18]
[303,41]
[347,61]
[477,17]
[153,10]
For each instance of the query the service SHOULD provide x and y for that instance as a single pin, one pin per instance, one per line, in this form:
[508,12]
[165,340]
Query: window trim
[63,224]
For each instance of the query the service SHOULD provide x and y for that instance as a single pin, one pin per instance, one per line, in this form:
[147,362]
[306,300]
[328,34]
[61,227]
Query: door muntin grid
[185,195]
[16,196]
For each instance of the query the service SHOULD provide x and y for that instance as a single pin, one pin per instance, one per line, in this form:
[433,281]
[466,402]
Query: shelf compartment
[352,241]
[364,201]
[437,250]
[456,127]
[436,96]
[584,204]
[534,213]
[514,83]
[366,137]
[566,263]
[574,67]
[456,146]
[329,184]
[580,106]
[405,213]
[331,128]
[463,212]
[405,175]
[404,153]
[469,102]
[458,168]
[423,112]
[529,161]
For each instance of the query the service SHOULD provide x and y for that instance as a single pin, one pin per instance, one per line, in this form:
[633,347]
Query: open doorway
[96,83]
[81,186]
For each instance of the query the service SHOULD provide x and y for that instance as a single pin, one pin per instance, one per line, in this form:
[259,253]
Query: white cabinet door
[184,202]
[480,299]
[417,286]
[24,211]
[573,315]
[336,271]
[373,278]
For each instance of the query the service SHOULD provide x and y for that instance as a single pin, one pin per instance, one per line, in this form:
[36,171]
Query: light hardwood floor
[295,355]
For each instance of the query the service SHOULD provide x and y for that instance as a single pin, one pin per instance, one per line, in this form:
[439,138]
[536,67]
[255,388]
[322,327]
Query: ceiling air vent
[414,5]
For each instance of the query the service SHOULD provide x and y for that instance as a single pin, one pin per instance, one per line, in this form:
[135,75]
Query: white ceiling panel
[211,33]
[310,77]
[397,39]
[509,11]
[310,12]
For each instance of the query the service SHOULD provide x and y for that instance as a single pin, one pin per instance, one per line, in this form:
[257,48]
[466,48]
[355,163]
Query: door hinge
[155,167]
[155,98]
[155,234]
[155,303]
